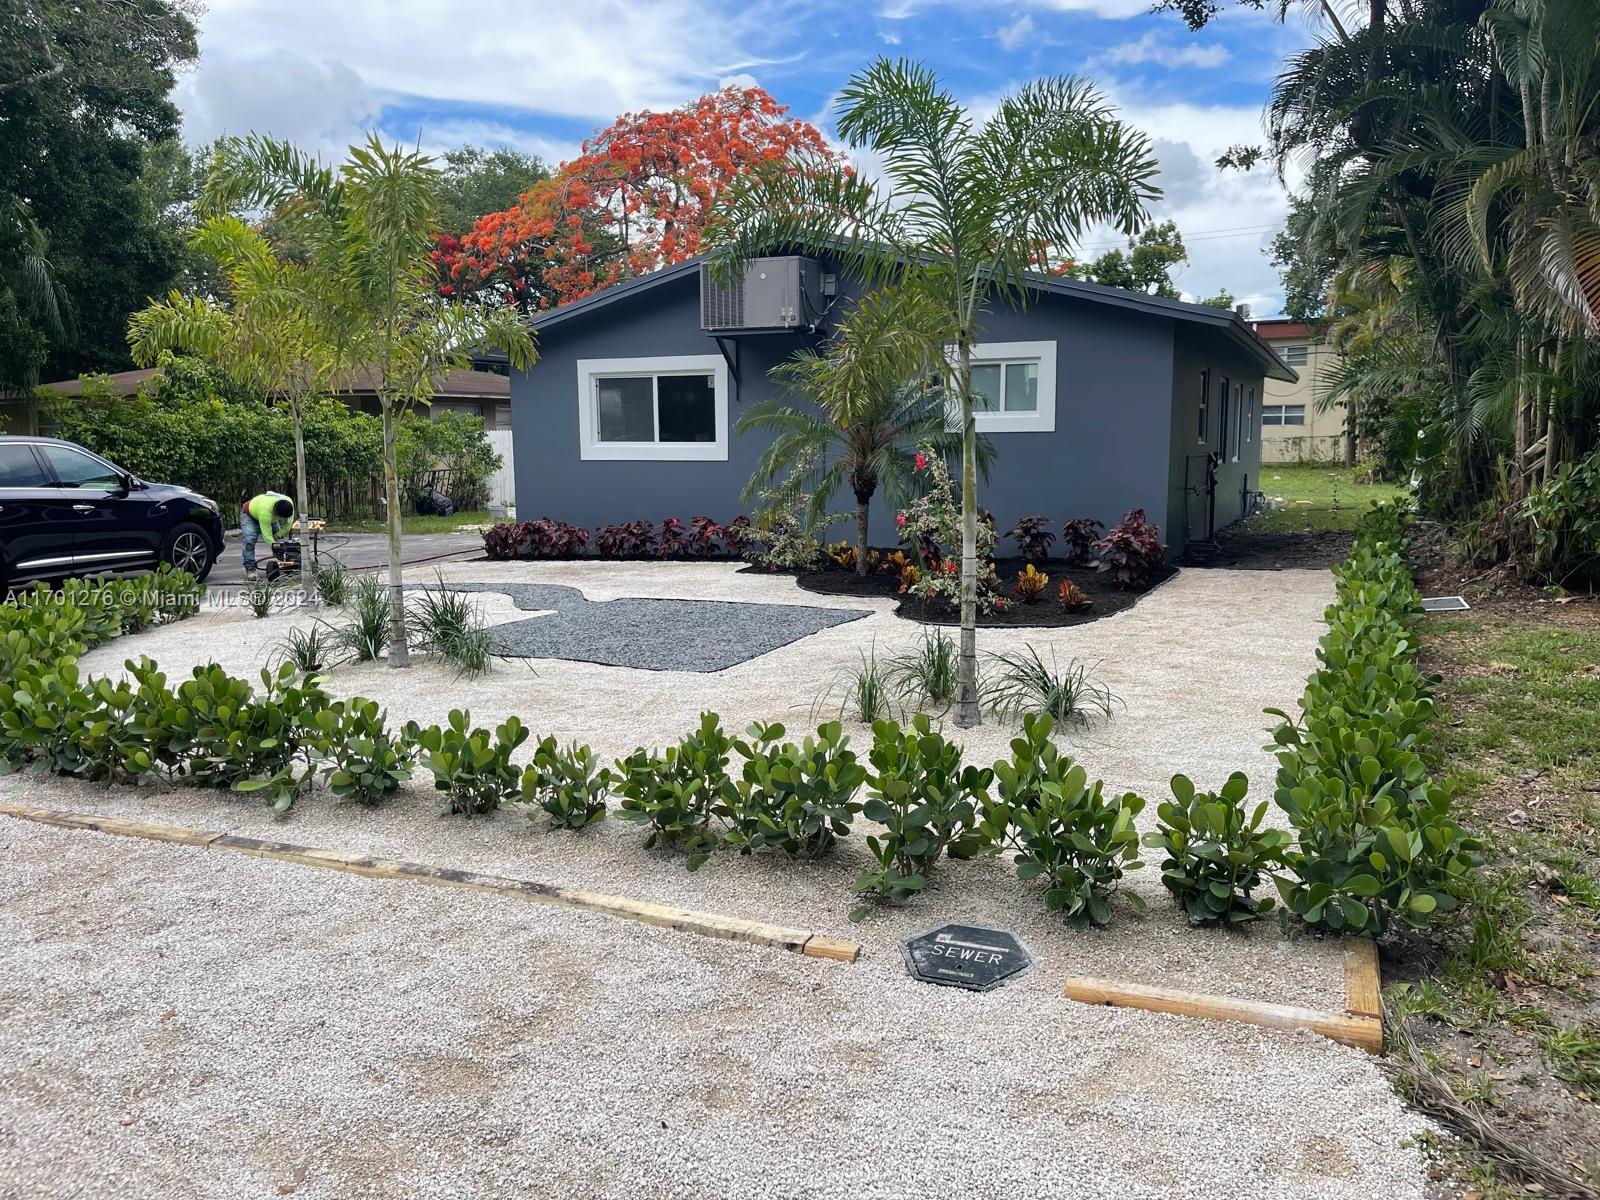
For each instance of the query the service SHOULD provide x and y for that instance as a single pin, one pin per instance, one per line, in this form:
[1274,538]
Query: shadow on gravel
[651,634]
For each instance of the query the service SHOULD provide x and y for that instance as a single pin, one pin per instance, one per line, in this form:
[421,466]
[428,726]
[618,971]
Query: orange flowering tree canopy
[636,199]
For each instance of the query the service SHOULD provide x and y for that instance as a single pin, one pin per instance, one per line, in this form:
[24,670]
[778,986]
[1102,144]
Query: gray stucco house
[1101,400]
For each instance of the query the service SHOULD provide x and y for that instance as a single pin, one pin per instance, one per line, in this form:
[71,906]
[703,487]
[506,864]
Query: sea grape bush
[568,784]
[927,802]
[795,798]
[471,769]
[674,792]
[1132,551]
[1376,839]
[1033,537]
[1216,853]
[1061,827]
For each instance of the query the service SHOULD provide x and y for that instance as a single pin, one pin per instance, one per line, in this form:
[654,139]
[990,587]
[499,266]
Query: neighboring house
[483,394]
[1102,400]
[1292,429]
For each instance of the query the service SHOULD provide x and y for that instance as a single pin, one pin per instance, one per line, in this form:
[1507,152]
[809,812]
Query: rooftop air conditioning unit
[772,294]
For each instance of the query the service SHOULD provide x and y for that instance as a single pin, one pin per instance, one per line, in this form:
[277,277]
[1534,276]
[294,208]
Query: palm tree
[263,332]
[871,405]
[366,231]
[28,281]
[963,212]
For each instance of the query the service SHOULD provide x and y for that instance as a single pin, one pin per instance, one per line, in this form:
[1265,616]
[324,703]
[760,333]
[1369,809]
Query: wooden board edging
[1364,1033]
[796,941]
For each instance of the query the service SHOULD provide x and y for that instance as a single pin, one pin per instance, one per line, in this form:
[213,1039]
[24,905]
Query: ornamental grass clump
[1217,854]
[448,624]
[924,679]
[1062,828]
[366,635]
[798,799]
[567,783]
[926,800]
[1018,684]
[1376,839]
[674,792]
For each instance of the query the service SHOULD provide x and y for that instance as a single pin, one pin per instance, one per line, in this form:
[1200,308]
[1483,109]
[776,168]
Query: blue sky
[541,76]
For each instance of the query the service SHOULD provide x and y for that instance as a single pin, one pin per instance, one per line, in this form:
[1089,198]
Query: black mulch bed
[1242,551]
[1045,612]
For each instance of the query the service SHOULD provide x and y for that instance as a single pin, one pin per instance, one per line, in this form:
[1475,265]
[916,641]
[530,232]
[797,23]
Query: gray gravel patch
[179,1022]
[651,634]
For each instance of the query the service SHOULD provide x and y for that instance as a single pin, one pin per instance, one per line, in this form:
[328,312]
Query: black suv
[66,511]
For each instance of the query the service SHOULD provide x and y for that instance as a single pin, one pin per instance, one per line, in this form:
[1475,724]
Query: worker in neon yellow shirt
[265,516]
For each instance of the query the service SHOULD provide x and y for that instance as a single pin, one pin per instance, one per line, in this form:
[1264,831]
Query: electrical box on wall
[772,294]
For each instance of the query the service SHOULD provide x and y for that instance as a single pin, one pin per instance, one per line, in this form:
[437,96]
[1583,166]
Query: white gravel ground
[407,1041]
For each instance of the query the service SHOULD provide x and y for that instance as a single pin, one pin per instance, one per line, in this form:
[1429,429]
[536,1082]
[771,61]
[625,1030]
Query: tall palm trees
[263,330]
[869,406]
[963,210]
[364,231]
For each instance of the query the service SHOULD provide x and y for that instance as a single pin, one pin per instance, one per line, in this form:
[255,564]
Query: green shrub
[1376,841]
[1216,854]
[252,742]
[925,799]
[673,792]
[472,770]
[38,703]
[567,783]
[313,648]
[1061,827]
[360,759]
[798,799]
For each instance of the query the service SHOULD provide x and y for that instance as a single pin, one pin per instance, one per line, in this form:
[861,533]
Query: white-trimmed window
[671,409]
[1204,428]
[1238,418]
[1296,356]
[1014,387]
[1250,416]
[1283,414]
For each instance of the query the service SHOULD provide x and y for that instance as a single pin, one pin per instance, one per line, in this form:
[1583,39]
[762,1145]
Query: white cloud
[592,60]
[320,105]
[743,80]
[1153,49]
[1016,35]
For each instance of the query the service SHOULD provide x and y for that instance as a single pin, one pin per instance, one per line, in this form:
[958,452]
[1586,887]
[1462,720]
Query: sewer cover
[965,956]
[1444,604]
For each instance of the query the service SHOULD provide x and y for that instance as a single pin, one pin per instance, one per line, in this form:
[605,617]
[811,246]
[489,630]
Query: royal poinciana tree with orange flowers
[635,200]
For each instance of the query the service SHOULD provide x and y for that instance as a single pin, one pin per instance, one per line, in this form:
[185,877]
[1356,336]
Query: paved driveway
[359,551]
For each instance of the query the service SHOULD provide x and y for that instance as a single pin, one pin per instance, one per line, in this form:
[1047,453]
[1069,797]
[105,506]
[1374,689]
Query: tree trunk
[968,714]
[1519,422]
[861,536]
[399,651]
[301,501]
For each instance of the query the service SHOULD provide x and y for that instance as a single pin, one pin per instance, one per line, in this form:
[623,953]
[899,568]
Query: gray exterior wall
[1186,504]
[1109,452]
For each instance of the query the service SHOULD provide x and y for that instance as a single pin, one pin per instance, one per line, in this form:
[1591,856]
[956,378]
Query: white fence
[502,491]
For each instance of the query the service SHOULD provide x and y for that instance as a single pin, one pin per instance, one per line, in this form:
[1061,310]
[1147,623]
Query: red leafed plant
[672,541]
[503,541]
[1132,551]
[1078,538]
[1073,598]
[705,537]
[1033,537]
[631,539]
[554,539]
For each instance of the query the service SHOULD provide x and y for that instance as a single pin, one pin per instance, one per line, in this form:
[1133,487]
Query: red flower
[901,519]
[922,462]
[999,603]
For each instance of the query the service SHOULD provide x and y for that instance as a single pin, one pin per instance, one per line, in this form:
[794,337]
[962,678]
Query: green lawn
[1319,498]
[415,524]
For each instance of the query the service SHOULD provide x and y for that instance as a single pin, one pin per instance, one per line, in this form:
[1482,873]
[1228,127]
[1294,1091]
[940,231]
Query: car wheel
[188,549]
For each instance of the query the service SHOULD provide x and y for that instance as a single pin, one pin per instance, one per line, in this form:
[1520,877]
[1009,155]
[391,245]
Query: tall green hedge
[194,426]
[1377,839]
